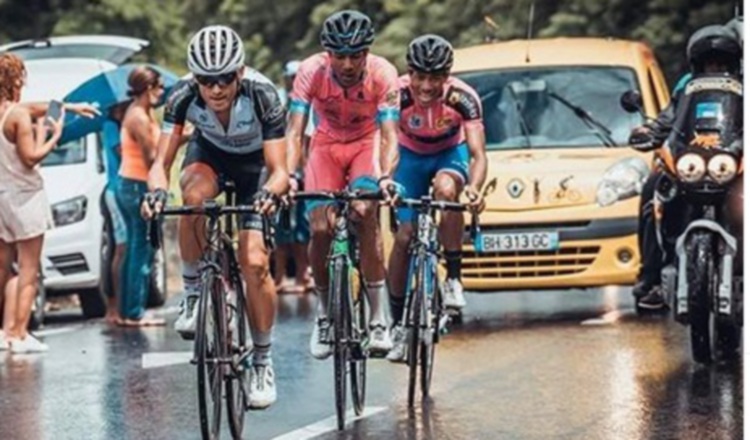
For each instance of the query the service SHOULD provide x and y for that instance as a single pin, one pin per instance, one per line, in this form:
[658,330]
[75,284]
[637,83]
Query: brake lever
[393,219]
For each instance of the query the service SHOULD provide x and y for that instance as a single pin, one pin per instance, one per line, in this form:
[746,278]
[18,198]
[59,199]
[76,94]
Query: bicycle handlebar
[428,204]
[343,196]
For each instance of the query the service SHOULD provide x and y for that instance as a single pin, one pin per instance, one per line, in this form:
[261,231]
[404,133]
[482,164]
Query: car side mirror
[632,102]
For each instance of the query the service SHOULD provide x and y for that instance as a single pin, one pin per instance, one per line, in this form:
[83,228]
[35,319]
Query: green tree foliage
[279,30]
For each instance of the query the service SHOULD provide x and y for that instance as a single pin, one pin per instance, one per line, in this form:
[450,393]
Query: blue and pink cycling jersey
[432,138]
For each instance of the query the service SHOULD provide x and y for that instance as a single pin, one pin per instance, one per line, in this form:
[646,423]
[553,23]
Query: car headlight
[691,167]
[69,211]
[722,168]
[622,180]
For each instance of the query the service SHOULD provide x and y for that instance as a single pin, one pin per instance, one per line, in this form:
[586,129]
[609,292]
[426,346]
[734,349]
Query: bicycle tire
[208,350]
[414,327]
[340,347]
[427,351]
[358,365]
[237,347]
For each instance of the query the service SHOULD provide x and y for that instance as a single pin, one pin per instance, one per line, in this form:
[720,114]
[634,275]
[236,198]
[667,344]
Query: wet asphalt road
[533,365]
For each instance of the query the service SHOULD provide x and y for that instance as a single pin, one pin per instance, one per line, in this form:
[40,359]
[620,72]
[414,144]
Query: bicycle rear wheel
[414,325]
[339,284]
[208,350]
[359,332]
[237,378]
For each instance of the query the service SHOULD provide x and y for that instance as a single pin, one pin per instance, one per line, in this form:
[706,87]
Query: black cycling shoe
[653,300]
[642,288]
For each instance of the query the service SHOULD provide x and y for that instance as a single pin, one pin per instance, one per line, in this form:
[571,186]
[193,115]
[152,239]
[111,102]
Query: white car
[77,252]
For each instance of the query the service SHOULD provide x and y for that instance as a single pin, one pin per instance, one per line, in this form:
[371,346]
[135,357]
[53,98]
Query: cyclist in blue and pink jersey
[441,145]
[355,96]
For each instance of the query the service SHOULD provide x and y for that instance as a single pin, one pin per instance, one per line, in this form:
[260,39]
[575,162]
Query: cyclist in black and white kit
[239,135]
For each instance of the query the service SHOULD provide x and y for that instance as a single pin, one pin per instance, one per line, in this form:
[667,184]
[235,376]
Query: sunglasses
[222,80]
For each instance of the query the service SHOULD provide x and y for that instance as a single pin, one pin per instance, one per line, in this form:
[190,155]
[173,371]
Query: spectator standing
[24,210]
[138,138]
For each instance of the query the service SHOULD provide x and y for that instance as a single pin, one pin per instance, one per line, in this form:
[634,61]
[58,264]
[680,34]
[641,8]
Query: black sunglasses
[210,80]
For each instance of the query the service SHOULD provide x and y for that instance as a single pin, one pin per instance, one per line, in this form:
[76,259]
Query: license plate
[521,241]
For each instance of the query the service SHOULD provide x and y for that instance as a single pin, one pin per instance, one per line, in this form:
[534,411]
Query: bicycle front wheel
[339,291]
[359,332]
[237,345]
[414,327]
[427,346]
[208,351]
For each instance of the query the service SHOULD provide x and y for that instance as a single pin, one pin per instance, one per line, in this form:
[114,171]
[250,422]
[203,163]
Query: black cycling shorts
[247,172]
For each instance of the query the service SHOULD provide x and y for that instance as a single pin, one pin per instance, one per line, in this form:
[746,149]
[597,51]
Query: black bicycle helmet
[347,32]
[714,42]
[430,54]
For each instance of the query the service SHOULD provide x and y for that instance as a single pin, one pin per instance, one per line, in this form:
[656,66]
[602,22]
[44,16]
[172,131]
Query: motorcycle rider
[712,49]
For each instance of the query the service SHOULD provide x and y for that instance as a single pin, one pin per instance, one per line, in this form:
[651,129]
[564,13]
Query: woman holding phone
[24,211]
[138,138]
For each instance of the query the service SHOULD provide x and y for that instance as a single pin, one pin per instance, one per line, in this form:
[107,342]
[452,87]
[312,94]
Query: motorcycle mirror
[632,102]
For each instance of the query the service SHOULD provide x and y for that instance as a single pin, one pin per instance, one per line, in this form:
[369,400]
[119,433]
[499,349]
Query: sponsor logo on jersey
[415,121]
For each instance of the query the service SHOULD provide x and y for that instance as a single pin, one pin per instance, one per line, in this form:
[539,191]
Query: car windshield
[69,153]
[558,107]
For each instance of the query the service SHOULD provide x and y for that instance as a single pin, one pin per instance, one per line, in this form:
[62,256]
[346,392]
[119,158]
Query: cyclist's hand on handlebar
[153,203]
[295,184]
[389,188]
[265,201]
[476,199]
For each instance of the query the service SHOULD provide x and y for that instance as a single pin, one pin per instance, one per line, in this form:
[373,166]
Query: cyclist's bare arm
[478,156]
[274,153]
[294,133]
[166,150]
[388,147]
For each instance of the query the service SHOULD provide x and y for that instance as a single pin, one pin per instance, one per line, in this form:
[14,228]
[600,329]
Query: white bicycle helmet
[215,50]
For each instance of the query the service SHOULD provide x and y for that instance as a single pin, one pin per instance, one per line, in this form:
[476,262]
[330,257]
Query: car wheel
[157,292]
[93,301]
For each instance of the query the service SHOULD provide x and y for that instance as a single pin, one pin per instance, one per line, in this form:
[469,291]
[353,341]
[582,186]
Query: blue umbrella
[104,91]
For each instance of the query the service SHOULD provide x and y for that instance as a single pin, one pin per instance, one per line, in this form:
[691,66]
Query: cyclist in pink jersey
[441,145]
[355,95]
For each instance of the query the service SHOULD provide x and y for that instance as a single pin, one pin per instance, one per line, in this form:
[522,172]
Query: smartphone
[54,111]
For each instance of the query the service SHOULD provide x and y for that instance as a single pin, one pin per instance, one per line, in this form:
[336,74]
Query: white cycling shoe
[185,324]
[320,339]
[262,392]
[453,294]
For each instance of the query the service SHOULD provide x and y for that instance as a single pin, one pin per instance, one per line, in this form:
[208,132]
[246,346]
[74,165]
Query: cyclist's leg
[323,172]
[362,172]
[452,175]
[198,182]
[414,173]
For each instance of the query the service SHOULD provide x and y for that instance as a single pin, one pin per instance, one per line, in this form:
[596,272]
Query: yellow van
[558,155]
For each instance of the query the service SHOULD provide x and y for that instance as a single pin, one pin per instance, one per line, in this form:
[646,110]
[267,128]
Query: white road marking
[57,330]
[327,425]
[165,359]
[606,319]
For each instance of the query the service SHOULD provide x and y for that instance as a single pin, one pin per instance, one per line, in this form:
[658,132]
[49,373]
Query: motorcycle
[702,164]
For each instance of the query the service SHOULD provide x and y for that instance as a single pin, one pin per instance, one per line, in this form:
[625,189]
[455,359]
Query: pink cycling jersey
[441,124]
[350,114]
